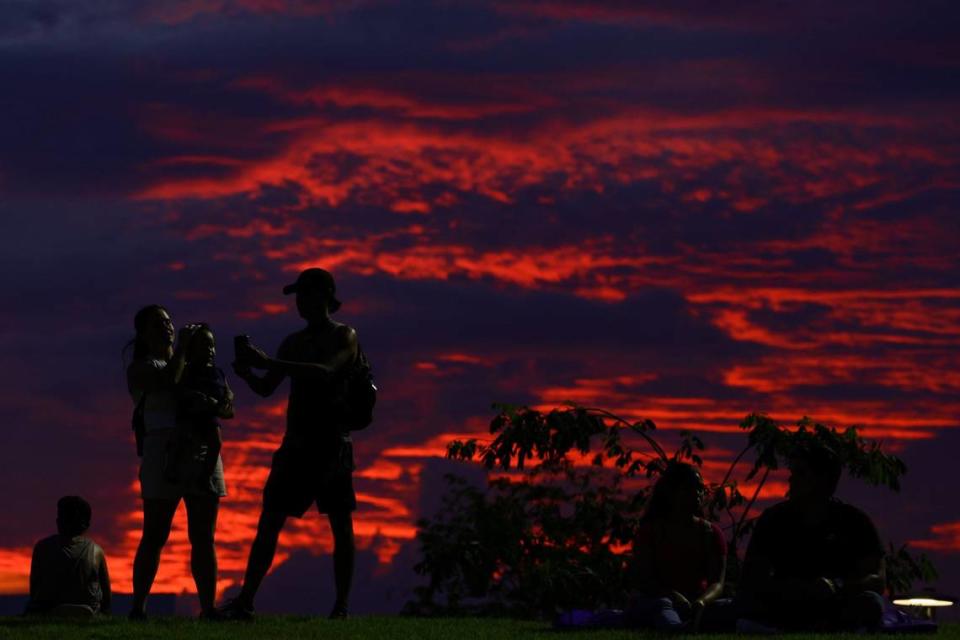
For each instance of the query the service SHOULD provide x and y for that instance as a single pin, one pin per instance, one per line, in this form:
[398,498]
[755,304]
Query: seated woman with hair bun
[677,565]
[679,558]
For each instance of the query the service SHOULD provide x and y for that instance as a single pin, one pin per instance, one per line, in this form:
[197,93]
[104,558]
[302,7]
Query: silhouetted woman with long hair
[679,558]
[152,378]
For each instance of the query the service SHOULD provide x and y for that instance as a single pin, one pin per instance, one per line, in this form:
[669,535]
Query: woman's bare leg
[201,528]
[157,518]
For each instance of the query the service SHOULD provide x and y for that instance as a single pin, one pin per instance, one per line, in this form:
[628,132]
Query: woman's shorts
[303,475]
[154,483]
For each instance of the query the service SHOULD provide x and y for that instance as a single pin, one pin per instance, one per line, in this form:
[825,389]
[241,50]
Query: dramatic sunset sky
[685,210]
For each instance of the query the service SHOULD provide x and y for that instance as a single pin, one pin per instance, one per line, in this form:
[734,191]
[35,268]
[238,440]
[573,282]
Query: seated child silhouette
[68,572]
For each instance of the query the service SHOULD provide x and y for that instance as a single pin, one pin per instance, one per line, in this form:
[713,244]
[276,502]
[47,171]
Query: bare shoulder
[345,333]
[345,338]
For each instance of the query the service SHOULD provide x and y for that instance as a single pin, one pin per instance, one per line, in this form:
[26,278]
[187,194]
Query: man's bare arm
[346,352]
[264,385]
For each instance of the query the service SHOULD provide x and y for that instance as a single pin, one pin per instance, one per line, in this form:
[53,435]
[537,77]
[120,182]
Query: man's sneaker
[236,609]
[339,612]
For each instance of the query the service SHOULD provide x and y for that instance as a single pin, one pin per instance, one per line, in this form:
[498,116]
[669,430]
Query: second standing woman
[153,378]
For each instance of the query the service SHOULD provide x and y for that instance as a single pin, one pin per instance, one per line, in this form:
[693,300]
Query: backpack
[360,394]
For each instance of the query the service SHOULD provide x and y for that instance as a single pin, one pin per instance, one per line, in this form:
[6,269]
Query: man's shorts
[302,475]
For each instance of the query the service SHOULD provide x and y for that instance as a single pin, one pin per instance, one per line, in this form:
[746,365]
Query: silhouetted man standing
[813,562]
[314,464]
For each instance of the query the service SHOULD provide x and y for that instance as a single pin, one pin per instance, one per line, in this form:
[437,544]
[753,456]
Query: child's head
[73,515]
[202,351]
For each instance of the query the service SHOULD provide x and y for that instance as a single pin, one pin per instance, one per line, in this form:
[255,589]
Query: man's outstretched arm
[264,385]
[345,353]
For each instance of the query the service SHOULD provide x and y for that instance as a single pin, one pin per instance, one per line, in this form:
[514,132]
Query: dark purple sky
[686,212]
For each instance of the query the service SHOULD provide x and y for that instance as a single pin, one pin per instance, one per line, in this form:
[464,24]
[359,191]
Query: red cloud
[900,370]
[946,538]
[402,147]
[877,419]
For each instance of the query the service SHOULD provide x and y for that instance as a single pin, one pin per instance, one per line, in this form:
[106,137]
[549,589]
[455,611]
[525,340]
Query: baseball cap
[315,279]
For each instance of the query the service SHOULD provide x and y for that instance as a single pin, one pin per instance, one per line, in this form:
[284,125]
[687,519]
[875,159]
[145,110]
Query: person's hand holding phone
[256,357]
[246,355]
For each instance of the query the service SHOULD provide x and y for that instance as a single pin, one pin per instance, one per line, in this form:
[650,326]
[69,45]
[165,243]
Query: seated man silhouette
[68,573]
[813,562]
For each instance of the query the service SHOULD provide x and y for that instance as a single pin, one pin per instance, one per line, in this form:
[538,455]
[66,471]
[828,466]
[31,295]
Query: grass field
[363,628]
